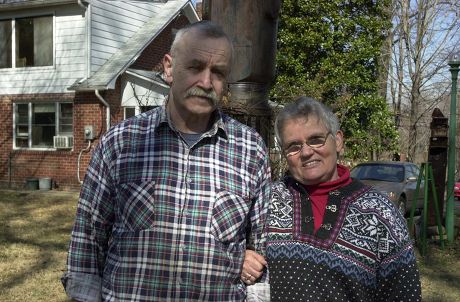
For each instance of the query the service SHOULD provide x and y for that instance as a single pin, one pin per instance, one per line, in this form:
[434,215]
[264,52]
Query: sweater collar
[325,187]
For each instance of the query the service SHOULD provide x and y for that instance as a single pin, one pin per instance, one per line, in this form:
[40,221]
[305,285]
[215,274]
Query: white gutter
[81,4]
[107,107]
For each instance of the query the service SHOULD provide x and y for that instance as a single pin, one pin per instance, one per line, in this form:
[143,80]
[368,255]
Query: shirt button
[189,180]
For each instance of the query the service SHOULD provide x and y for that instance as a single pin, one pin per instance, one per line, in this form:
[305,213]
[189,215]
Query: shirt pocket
[136,208]
[229,217]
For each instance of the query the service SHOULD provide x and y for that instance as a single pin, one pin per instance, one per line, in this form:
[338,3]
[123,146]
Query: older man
[173,197]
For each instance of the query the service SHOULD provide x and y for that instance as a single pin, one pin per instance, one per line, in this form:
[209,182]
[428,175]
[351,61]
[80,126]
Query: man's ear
[167,68]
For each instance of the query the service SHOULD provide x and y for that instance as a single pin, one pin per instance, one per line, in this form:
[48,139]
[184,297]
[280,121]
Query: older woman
[331,238]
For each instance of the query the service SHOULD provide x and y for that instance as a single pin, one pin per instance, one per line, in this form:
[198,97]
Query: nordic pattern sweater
[361,252]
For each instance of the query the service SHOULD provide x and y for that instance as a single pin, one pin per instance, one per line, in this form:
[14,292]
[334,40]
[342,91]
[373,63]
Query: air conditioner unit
[63,142]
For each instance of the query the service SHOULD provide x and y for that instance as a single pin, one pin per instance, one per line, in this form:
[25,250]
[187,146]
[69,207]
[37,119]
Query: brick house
[69,69]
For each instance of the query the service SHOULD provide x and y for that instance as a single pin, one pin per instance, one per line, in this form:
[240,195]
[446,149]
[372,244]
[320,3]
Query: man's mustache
[195,91]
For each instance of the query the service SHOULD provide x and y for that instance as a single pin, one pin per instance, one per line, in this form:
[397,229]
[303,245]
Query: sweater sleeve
[397,275]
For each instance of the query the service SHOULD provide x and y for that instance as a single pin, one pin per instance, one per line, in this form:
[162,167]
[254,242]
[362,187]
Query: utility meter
[89,133]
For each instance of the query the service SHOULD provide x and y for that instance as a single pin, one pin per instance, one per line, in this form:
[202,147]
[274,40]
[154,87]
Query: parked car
[457,190]
[396,179]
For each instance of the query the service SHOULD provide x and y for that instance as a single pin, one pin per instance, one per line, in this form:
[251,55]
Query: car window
[383,172]
[399,173]
[413,171]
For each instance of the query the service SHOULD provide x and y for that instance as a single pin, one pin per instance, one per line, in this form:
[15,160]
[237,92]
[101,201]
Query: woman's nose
[306,150]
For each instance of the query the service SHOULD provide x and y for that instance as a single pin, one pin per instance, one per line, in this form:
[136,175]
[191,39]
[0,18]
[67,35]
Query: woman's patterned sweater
[361,252]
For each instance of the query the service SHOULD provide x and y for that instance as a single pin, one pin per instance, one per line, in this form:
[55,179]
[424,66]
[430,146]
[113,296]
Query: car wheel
[402,205]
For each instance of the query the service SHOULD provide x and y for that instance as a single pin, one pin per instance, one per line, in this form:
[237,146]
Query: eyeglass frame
[302,145]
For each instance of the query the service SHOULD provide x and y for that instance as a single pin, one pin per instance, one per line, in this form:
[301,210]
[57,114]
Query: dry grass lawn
[34,234]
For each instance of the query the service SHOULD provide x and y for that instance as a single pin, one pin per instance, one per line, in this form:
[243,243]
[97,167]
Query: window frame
[57,107]
[137,110]
[13,40]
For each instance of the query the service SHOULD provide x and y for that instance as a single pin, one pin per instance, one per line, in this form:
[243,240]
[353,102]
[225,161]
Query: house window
[132,111]
[26,42]
[5,44]
[36,124]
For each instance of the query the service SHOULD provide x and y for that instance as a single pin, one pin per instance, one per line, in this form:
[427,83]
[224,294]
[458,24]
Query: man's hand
[253,267]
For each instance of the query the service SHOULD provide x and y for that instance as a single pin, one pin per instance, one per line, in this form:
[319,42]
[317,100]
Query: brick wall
[16,166]
[151,57]
[6,135]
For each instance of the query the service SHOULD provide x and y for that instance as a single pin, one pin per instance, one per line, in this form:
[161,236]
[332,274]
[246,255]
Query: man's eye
[220,73]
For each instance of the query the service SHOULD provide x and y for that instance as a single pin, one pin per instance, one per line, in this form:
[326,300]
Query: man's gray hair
[306,107]
[207,28]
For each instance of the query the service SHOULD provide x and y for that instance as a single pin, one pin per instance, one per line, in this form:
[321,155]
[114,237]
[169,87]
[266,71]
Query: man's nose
[205,81]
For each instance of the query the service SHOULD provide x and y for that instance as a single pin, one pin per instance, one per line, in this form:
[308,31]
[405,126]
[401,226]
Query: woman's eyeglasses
[314,143]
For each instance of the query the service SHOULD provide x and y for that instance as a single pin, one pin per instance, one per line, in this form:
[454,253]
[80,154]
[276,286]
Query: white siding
[113,23]
[150,94]
[70,57]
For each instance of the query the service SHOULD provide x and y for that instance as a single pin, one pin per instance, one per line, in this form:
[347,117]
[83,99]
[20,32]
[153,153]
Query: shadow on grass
[35,227]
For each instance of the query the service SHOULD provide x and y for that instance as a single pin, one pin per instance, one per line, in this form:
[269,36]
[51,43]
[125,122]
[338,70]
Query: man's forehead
[196,37]
[207,52]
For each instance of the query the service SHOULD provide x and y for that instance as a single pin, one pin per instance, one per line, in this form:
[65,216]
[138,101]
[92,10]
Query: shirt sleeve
[91,232]
[398,276]
[258,216]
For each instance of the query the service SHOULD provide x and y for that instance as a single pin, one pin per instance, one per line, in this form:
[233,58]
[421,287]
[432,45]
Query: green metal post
[454,64]
[424,224]
[436,207]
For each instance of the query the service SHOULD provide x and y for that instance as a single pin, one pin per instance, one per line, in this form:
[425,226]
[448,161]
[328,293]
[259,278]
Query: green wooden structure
[427,176]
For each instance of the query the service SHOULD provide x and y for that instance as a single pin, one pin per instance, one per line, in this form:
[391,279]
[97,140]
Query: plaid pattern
[160,221]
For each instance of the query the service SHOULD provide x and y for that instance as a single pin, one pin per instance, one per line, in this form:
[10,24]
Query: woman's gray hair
[207,28]
[306,107]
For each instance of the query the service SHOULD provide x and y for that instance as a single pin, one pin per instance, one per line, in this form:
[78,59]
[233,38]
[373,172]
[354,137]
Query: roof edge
[187,6]
[33,3]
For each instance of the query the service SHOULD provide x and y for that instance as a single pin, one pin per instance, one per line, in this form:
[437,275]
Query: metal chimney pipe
[252,26]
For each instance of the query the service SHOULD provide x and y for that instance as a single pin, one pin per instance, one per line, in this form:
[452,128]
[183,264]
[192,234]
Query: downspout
[10,169]
[107,107]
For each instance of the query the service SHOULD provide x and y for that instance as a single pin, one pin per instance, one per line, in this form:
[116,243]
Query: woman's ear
[167,68]
[339,141]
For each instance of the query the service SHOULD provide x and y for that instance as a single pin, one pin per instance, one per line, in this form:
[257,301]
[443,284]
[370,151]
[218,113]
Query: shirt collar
[218,127]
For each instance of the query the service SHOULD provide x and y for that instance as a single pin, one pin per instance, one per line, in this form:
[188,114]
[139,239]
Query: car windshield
[391,173]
